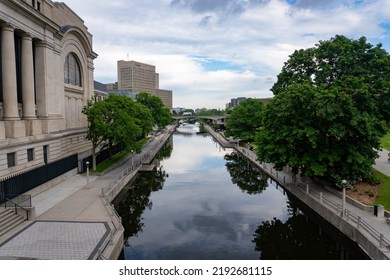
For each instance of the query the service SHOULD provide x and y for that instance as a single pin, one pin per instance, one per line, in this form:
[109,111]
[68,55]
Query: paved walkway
[72,220]
[382,163]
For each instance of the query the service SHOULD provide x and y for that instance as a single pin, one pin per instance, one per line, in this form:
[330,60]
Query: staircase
[9,220]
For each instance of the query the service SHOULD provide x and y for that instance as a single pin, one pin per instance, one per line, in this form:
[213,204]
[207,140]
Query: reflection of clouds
[190,152]
[200,214]
[226,224]
[210,224]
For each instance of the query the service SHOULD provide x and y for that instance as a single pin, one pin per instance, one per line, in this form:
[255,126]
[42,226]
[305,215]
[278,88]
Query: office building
[138,77]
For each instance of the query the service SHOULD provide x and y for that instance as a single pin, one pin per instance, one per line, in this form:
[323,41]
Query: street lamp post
[132,159]
[87,174]
[344,185]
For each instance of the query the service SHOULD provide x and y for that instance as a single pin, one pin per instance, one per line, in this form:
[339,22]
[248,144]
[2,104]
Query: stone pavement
[382,164]
[71,218]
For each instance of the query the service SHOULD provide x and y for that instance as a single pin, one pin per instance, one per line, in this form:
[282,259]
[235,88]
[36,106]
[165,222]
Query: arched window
[72,73]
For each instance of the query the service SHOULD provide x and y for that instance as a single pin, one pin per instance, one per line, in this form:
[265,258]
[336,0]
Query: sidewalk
[382,164]
[72,220]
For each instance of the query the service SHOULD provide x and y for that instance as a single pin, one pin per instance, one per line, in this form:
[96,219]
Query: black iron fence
[102,156]
[12,187]
[15,186]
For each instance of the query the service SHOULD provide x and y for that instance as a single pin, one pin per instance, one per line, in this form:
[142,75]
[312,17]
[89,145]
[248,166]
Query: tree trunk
[94,157]
[294,179]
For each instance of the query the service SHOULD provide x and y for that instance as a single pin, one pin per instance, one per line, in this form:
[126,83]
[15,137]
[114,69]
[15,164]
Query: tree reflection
[135,200]
[166,151]
[247,177]
[301,239]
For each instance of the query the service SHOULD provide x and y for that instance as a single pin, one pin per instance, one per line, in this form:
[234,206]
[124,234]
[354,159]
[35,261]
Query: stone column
[10,101]
[28,78]
[32,124]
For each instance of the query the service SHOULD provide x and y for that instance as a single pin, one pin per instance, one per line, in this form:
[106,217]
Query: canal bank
[80,223]
[358,223]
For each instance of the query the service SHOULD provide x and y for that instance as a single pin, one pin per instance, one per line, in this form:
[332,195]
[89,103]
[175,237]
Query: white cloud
[254,36]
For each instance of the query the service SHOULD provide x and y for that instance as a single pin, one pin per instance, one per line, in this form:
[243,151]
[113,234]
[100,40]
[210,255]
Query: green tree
[161,115]
[124,127]
[331,107]
[117,120]
[211,112]
[245,119]
[97,114]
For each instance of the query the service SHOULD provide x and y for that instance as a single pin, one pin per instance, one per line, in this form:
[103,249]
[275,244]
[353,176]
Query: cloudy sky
[209,51]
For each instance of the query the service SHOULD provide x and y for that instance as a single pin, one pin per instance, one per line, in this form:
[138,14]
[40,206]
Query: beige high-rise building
[137,77]
[46,77]
[140,77]
[166,97]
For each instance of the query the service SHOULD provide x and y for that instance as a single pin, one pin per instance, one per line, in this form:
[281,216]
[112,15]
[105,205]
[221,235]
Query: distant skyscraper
[137,77]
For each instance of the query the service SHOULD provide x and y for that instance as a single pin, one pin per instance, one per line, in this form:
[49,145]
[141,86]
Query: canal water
[206,202]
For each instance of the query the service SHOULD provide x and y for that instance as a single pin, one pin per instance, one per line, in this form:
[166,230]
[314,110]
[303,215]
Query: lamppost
[87,174]
[132,159]
[344,185]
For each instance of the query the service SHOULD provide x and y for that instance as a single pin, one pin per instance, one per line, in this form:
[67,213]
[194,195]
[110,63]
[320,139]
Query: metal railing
[23,199]
[117,224]
[16,206]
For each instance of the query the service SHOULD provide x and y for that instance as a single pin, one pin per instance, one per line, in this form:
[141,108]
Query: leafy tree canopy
[245,119]
[117,120]
[331,107]
[211,112]
[161,115]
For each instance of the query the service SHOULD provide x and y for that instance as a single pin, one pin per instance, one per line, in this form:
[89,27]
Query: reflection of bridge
[217,119]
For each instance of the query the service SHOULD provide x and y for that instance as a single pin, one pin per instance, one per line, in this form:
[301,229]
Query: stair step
[5,212]
[11,227]
[9,221]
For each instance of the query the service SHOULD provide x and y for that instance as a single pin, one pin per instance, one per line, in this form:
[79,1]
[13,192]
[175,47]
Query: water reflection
[133,201]
[215,205]
[247,177]
[304,236]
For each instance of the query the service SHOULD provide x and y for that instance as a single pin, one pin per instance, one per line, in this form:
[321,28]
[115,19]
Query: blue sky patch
[210,64]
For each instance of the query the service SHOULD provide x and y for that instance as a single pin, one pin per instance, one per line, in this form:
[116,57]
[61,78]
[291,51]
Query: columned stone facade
[40,98]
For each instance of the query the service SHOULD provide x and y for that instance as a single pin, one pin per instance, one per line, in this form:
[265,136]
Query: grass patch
[384,192]
[385,142]
[109,162]
[118,156]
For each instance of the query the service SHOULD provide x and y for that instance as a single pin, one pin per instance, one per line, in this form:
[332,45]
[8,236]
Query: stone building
[46,77]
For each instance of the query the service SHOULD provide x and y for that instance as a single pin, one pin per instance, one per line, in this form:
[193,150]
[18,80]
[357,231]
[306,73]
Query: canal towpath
[70,213]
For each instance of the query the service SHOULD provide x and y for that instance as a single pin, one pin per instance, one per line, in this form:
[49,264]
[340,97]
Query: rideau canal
[204,202]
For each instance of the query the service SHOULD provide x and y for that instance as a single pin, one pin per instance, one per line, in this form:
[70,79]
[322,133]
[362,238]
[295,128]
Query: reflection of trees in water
[247,177]
[136,200]
[303,237]
[166,151]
